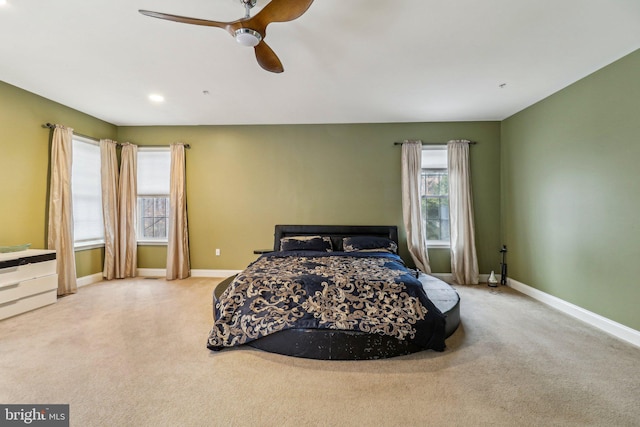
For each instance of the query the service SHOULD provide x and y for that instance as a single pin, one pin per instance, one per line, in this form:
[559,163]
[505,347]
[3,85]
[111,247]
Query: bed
[333,293]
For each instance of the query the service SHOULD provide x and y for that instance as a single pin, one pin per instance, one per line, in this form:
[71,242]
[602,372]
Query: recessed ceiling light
[3,3]
[155,97]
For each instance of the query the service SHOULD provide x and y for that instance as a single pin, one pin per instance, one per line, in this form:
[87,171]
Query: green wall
[570,198]
[24,166]
[242,180]
[555,182]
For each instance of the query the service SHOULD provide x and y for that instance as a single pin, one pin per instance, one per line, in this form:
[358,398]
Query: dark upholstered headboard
[336,232]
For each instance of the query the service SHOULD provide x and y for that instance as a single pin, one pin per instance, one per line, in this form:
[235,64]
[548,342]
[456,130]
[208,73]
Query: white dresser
[28,280]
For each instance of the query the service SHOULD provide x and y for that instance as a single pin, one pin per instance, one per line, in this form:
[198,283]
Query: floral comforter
[370,292]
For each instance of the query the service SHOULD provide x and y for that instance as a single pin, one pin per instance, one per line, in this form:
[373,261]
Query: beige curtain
[109,175]
[411,204]
[178,246]
[464,262]
[127,202]
[60,229]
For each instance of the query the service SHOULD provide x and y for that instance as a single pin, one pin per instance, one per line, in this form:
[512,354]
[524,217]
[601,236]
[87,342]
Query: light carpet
[132,353]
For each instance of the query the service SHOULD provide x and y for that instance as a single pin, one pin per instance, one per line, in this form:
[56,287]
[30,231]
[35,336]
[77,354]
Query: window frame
[146,241]
[140,239]
[423,193]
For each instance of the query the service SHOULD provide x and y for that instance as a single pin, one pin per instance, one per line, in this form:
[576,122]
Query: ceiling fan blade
[267,58]
[253,27]
[284,10]
[185,19]
[277,11]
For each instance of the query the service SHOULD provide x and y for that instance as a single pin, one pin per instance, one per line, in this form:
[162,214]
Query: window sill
[152,243]
[438,245]
[87,246]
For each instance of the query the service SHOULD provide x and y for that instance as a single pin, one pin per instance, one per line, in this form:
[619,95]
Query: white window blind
[154,166]
[86,188]
[434,157]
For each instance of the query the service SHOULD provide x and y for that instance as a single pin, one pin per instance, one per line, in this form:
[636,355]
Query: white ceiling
[346,61]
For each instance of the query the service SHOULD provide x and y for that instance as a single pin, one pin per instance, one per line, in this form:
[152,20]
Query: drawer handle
[5,304]
[8,270]
[8,285]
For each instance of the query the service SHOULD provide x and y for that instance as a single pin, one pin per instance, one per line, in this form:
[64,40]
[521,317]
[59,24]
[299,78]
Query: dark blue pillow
[369,244]
[306,243]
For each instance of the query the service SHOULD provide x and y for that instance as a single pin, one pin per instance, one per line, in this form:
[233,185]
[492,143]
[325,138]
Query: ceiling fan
[251,31]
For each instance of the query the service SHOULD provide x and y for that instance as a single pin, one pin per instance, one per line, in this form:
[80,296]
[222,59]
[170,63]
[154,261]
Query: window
[154,166]
[86,190]
[434,194]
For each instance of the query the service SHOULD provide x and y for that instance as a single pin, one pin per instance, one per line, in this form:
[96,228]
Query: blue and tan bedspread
[370,292]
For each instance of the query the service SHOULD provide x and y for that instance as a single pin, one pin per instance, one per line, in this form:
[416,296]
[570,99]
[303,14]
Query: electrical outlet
[217,252]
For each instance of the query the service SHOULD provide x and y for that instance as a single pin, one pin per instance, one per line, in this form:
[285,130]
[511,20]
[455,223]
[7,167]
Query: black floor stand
[503,266]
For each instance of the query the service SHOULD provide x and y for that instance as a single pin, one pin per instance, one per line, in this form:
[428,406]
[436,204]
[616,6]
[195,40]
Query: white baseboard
[448,277]
[161,272]
[89,280]
[157,272]
[607,325]
[214,273]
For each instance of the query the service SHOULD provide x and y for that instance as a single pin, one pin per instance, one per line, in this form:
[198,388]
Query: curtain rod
[186,146]
[433,143]
[51,126]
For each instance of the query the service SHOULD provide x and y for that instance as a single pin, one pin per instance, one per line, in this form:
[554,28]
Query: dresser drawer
[28,280]
[27,288]
[15,307]
[11,276]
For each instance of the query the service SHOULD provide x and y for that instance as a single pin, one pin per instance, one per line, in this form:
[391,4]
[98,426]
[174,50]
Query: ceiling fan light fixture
[247,37]
[250,31]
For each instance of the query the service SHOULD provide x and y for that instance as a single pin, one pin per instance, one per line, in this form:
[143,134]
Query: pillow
[306,243]
[369,244]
